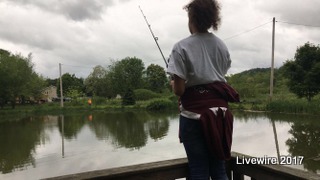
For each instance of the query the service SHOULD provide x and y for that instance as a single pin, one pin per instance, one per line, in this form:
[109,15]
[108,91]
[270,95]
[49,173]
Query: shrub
[114,102]
[129,98]
[160,104]
[145,94]
[96,100]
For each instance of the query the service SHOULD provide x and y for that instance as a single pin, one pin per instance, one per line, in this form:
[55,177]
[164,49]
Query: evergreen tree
[128,98]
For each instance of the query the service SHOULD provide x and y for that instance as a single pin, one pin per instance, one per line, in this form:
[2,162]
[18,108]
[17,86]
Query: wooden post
[272,60]
[61,89]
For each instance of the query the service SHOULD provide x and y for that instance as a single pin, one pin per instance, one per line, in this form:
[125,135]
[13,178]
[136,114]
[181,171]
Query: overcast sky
[81,34]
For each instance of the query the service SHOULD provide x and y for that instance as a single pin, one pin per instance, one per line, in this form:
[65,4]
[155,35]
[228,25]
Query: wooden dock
[178,168]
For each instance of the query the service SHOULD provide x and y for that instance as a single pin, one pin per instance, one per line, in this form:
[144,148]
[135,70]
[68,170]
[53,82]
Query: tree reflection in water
[132,130]
[129,130]
[19,139]
[18,143]
[304,131]
[306,142]
[72,125]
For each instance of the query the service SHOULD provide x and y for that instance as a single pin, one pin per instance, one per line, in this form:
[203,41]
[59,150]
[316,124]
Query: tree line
[19,81]
[116,79]
[298,77]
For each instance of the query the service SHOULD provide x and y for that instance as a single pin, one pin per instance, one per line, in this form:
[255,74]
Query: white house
[49,93]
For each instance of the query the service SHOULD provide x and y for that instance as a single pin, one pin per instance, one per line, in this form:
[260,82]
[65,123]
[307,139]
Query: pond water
[53,145]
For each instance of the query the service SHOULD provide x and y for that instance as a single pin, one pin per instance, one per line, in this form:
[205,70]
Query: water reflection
[129,130]
[42,140]
[72,125]
[305,141]
[18,141]
[303,137]
[124,129]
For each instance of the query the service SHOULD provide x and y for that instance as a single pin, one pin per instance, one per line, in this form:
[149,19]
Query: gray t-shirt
[201,58]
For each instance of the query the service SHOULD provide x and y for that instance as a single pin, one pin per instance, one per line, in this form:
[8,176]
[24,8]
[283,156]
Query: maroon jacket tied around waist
[217,124]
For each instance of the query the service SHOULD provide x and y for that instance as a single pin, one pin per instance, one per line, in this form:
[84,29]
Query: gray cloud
[77,10]
[295,11]
[91,32]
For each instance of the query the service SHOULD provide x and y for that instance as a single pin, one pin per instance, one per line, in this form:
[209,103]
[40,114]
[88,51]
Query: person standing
[198,65]
[89,102]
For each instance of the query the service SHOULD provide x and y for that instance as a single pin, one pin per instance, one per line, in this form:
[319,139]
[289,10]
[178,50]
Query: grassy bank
[98,104]
[298,106]
[164,102]
[292,106]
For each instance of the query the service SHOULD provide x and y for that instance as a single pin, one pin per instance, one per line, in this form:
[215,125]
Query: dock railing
[178,168]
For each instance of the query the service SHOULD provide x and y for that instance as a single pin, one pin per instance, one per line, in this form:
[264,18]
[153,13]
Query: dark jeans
[201,164]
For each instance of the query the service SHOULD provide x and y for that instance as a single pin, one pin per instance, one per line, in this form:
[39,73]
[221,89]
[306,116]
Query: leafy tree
[17,78]
[156,78]
[35,85]
[126,74]
[74,94]
[98,83]
[70,83]
[303,72]
[52,82]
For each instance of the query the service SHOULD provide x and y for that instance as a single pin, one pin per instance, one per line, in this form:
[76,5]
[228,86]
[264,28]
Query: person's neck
[194,30]
[198,32]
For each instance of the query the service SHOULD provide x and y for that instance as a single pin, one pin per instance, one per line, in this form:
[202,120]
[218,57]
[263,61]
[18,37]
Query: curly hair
[204,14]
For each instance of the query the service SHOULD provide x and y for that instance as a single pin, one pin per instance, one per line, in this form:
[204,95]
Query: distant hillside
[255,71]
[254,84]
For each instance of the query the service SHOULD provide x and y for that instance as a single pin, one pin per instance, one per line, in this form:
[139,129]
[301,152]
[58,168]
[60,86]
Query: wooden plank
[269,171]
[162,170]
[178,168]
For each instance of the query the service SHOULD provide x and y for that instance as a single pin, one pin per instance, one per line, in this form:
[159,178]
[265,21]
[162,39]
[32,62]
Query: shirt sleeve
[177,64]
[228,63]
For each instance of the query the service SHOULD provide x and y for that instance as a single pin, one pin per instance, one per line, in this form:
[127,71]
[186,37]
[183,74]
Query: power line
[78,66]
[247,31]
[298,24]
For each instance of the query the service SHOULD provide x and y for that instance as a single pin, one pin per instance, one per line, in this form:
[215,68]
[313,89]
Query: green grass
[166,101]
[298,106]
[98,104]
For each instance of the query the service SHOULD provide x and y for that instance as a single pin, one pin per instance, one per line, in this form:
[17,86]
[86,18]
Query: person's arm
[178,85]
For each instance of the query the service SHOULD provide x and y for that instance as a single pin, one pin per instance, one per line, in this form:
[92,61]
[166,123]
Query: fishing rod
[154,38]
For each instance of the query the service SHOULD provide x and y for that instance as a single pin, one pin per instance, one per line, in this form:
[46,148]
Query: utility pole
[271,88]
[272,60]
[61,92]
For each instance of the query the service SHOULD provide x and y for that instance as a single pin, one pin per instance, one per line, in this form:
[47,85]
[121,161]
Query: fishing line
[154,37]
